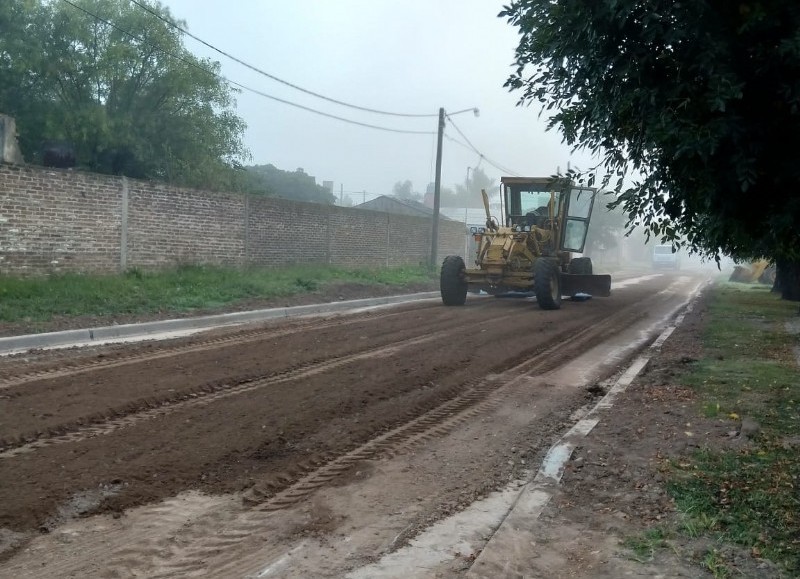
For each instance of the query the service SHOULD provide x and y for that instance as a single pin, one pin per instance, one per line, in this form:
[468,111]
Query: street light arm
[474,110]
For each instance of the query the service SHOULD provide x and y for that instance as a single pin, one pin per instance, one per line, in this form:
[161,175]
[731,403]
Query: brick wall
[285,232]
[169,226]
[55,220]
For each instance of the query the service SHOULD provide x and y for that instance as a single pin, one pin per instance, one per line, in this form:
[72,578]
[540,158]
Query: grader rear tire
[547,283]
[452,284]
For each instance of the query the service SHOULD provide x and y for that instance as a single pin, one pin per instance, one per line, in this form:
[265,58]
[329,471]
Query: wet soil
[112,429]
[244,405]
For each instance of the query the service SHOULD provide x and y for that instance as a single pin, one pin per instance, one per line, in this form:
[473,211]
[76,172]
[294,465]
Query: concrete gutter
[180,327]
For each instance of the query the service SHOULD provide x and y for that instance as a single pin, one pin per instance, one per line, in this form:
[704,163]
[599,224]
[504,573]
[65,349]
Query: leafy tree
[404,190]
[20,57]
[296,185]
[606,228]
[699,99]
[117,84]
[469,194]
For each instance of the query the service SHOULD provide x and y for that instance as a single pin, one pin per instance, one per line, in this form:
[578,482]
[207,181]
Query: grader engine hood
[501,245]
[505,250]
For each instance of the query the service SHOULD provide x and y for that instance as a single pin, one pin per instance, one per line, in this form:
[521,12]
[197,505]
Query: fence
[55,221]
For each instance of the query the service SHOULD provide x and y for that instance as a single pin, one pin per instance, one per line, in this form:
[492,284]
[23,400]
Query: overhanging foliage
[698,98]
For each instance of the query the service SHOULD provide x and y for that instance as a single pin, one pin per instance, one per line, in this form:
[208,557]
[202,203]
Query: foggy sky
[408,56]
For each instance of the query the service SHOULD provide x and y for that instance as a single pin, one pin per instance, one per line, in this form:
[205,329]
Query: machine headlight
[518,229]
[527,228]
[473,230]
[481,230]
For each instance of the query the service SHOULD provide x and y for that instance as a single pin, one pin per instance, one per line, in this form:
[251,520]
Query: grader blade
[595,285]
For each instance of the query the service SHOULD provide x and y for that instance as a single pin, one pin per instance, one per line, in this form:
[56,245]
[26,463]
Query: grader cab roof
[529,180]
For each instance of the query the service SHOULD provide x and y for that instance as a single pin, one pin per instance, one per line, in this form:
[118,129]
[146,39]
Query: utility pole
[437,188]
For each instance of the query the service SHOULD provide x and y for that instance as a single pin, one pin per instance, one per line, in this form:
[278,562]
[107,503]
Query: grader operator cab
[545,222]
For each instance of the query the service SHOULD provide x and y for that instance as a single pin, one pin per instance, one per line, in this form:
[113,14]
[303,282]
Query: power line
[272,76]
[463,136]
[240,85]
[457,142]
[482,157]
[305,108]
[505,170]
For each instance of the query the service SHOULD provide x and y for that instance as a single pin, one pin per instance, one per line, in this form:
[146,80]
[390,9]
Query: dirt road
[310,447]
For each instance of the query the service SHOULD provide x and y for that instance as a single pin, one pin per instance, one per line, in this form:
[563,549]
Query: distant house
[470,216]
[389,204]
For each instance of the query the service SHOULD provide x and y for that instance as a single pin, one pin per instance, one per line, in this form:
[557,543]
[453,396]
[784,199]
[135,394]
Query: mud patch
[82,504]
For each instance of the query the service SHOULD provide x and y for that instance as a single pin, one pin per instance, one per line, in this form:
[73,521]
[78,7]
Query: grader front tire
[547,283]
[452,284]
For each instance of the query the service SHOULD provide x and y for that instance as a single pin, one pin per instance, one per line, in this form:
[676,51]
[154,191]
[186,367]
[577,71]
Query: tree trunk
[777,283]
[787,278]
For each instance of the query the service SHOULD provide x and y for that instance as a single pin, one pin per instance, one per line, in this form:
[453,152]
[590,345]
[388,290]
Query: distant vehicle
[665,257]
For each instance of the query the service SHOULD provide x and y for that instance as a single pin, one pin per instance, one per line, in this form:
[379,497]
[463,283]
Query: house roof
[390,204]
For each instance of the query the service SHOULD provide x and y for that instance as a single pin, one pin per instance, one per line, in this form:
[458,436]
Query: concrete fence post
[247,250]
[328,238]
[123,222]
[9,149]
[388,236]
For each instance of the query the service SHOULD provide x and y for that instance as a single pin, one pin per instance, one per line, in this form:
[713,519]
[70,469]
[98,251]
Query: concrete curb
[104,334]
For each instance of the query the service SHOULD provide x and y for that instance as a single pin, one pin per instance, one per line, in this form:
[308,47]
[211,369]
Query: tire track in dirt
[200,529]
[210,394]
[202,395]
[51,408]
[138,355]
[438,421]
[473,398]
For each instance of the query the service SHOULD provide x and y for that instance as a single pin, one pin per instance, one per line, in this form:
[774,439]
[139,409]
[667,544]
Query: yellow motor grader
[545,222]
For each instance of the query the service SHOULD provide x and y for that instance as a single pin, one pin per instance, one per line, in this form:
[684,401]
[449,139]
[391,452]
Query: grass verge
[748,495]
[177,290]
